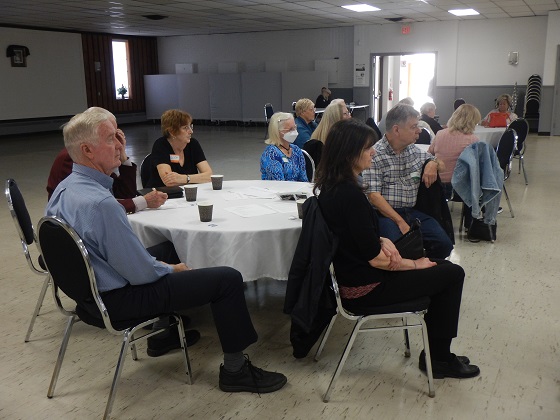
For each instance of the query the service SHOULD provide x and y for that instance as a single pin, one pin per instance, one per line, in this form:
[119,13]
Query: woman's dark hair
[344,145]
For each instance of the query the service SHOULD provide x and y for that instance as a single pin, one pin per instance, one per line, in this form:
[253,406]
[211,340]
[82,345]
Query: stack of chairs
[532,102]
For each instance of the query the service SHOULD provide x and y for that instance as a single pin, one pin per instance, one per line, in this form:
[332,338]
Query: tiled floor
[509,321]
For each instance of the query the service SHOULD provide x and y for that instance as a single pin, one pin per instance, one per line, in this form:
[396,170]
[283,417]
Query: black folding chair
[424,137]
[521,127]
[309,166]
[24,228]
[68,262]
[371,122]
[505,149]
[146,170]
[268,112]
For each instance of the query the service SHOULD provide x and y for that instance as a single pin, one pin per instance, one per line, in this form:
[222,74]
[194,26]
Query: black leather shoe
[251,379]
[453,369]
[159,346]
[422,361]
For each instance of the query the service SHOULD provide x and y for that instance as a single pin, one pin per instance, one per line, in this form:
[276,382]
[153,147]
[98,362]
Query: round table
[256,236]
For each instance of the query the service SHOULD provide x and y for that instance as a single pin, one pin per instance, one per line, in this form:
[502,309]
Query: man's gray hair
[399,115]
[427,107]
[82,128]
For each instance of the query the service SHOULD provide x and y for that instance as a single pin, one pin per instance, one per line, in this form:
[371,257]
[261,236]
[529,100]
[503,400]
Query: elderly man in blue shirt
[132,282]
[305,121]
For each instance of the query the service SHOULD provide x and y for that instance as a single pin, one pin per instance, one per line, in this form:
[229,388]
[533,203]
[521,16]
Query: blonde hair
[506,97]
[334,112]
[303,105]
[464,119]
[172,120]
[277,123]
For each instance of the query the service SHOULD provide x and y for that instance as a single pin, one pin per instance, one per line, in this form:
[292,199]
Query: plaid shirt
[395,176]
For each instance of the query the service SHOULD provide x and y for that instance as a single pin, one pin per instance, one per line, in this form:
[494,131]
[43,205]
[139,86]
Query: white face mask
[291,136]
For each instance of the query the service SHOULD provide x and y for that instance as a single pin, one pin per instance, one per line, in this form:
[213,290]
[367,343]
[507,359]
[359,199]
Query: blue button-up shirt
[85,202]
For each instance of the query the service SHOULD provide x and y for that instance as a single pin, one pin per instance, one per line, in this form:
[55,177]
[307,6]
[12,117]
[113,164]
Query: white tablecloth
[489,135]
[258,246]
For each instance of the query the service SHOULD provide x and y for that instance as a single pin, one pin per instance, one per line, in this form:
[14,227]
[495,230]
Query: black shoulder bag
[411,245]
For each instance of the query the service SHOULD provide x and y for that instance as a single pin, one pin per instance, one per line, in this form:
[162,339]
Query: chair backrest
[146,169]
[371,122]
[341,310]
[22,221]
[309,166]
[268,112]
[424,137]
[68,262]
[458,102]
[521,127]
[505,149]
[19,212]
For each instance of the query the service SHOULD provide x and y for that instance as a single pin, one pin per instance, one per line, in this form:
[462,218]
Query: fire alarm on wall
[405,29]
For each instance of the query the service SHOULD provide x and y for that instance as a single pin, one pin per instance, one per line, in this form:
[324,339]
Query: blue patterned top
[276,166]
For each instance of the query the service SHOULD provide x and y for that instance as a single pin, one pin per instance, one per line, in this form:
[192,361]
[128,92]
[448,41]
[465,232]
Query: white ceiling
[189,17]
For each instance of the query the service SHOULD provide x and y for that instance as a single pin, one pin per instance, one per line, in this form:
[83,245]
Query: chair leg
[342,360]
[507,199]
[429,373]
[463,206]
[522,164]
[183,341]
[325,336]
[46,283]
[71,321]
[124,348]
[406,339]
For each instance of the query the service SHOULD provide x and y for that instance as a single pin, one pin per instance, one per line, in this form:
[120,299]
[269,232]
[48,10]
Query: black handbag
[172,192]
[479,230]
[411,245]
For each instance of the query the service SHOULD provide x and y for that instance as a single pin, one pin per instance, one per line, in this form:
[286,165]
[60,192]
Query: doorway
[397,76]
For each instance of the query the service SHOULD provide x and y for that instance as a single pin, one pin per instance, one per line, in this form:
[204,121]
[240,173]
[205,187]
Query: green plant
[122,90]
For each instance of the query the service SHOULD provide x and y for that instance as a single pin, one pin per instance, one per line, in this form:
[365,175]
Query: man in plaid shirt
[394,177]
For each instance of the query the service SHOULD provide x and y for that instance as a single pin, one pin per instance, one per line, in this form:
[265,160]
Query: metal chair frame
[306,154]
[268,113]
[505,160]
[144,174]
[128,334]
[10,185]
[417,316]
[521,127]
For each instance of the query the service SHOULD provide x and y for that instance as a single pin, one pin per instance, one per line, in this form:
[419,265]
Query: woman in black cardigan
[369,269]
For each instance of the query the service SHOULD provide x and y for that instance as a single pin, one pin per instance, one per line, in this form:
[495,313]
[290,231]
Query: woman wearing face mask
[282,160]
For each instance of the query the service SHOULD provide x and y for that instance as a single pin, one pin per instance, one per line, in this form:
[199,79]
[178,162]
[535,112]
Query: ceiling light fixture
[361,8]
[463,12]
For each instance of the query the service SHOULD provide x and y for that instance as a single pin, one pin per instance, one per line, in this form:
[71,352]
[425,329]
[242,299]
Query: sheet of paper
[283,206]
[250,210]
[256,192]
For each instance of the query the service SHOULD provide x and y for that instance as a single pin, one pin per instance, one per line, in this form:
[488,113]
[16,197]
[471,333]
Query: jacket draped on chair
[478,179]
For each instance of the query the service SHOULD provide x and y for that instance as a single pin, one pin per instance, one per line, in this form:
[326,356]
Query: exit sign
[405,29]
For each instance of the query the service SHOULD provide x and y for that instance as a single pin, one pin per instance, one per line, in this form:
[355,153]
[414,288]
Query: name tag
[285,159]
[174,158]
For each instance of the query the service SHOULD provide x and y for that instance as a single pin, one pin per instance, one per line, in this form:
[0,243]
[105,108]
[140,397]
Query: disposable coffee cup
[205,211]
[217,181]
[300,207]
[190,192]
